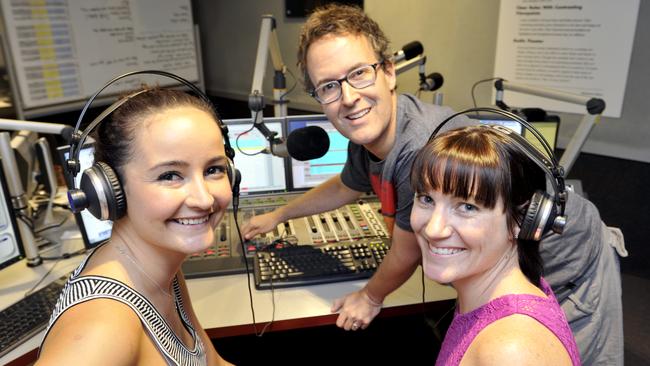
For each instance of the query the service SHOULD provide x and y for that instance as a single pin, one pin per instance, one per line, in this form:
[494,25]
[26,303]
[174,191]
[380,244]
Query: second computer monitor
[497,119]
[548,129]
[265,173]
[260,171]
[310,173]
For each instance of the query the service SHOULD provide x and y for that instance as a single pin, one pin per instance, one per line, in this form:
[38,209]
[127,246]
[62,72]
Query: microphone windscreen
[412,49]
[311,142]
[438,80]
[66,133]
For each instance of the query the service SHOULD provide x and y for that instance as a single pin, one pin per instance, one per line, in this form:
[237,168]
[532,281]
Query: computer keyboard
[304,265]
[28,316]
[208,264]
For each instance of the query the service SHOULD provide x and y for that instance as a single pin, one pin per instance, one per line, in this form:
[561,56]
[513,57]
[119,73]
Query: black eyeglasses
[359,78]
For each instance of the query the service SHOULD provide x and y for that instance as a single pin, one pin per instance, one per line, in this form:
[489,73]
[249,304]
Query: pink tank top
[465,327]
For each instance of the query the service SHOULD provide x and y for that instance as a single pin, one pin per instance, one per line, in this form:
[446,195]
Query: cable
[433,326]
[248,276]
[26,220]
[423,290]
[66,255]
[295,82]
[280,243]
[474,87]
[31,290]
[245,132]
[272,313]
[51,226]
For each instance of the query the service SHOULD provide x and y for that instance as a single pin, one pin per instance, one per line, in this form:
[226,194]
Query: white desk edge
[221,301]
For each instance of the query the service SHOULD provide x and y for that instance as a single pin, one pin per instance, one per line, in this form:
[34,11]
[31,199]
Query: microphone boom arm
[39,127]
[418,60]
[594,108]
[268,44]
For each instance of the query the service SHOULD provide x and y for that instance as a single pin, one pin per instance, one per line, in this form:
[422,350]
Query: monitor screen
[260,172]
[22,143]
[11,249]
[310,173]
[93,230]
[548,130]
[495,119]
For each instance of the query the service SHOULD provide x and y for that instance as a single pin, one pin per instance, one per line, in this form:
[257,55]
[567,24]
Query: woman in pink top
[473,188]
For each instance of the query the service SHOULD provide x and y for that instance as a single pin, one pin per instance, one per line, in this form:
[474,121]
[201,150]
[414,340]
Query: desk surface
[222,303]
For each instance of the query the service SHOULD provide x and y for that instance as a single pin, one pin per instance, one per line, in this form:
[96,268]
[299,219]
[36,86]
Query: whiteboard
[63,51]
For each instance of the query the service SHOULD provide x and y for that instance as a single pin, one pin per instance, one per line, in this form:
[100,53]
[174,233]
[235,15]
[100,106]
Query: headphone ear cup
[230,169]
[527,224]
[539,217]
[236,182]
[104,194]
[234,176]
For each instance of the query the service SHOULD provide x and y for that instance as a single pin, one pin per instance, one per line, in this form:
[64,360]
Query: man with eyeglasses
[347,68]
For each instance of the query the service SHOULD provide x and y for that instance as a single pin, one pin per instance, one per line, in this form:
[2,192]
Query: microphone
[408,51]
[498,85]
[431,82]
[306,143]
[311,142]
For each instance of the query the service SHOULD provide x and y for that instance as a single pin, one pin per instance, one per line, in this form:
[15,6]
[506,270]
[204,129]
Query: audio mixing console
[359,220]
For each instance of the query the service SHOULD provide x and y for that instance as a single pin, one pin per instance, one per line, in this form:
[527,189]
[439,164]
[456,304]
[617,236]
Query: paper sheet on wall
[65,50]
[575,46]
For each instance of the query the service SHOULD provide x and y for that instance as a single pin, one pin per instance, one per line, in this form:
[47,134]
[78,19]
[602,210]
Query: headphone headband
[525,124]
[100,190]
[549,165]
[78,138]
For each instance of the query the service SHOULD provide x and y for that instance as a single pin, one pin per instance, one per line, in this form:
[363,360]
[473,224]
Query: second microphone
[306,143]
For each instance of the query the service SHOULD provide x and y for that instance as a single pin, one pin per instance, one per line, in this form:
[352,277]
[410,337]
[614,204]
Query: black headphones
[100,190]
[544,212]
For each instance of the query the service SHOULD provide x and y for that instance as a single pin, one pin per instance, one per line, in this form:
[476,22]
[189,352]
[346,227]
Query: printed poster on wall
[575,46]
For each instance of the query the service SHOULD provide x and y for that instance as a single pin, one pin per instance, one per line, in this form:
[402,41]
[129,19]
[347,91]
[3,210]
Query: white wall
[459,39]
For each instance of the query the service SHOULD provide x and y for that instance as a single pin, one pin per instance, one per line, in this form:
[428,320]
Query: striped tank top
[79,289]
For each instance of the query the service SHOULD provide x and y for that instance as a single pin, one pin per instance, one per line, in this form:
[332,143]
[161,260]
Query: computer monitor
[310,173]
[11,248]
[548,130]
[260,172]
[23,144]
[93,230]
[496,119]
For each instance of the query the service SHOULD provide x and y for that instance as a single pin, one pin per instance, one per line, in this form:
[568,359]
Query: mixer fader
[359,220]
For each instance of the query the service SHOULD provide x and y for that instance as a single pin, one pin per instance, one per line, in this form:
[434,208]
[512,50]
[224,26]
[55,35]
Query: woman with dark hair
[127,303]
[473,186]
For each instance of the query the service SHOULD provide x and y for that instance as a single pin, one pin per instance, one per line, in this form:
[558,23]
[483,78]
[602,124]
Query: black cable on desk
[51,226]
[235,208]
[31,290]
[66,255]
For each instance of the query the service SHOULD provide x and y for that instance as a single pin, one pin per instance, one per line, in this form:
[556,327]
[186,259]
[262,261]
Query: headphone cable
[248,279]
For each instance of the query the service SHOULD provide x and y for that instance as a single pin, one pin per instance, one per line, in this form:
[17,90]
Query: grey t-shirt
[389,178]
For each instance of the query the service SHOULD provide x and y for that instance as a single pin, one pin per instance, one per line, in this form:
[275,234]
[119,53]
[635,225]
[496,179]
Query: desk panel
[223,306]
